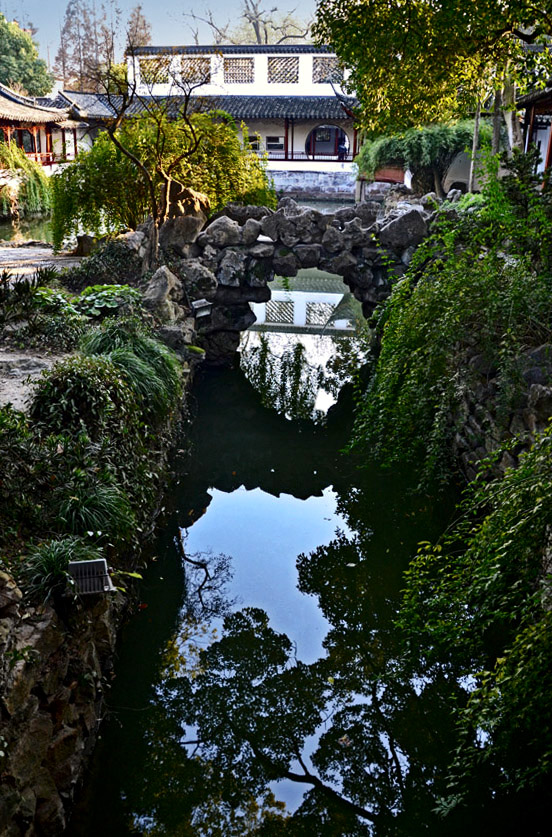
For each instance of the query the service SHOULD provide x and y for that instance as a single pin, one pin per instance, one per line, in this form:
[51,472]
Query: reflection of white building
[306,307]
[288,96]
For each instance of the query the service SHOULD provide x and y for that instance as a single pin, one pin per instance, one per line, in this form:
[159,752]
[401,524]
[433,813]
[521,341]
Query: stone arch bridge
[232,261]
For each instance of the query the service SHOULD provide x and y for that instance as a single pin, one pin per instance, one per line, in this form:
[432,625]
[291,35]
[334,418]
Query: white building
[289,96]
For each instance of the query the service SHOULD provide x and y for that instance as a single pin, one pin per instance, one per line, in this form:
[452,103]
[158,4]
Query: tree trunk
[497,121]
[509,111]
[437,184]
[153,259]
[475,146]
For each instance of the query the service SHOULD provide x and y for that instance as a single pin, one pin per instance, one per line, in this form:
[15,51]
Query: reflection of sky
[264,535]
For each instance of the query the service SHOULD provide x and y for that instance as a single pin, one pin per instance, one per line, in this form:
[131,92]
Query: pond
[31,229]
[270,515]
[260,689]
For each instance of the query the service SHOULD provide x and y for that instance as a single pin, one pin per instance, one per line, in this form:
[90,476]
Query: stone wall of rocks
[314,185]
[53,676]
[484,426]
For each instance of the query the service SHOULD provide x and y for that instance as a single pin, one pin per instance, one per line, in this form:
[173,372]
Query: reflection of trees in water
[289,380]
[286,382]
[206,579]
[368,731]
[237,711]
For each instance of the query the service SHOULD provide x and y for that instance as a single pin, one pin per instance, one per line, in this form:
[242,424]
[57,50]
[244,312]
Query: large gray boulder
[333,240]
[285,263]
[162,295]
[308,254]
[199,281]
[406,230]
[231,269]
[177,233]
[281,227]
[227,318]
[251,231]
[223,232]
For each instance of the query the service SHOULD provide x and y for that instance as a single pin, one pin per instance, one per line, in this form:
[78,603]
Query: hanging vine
[33,191]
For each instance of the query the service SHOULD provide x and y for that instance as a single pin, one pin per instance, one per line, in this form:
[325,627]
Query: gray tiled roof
[17,108]
[91,105]
[267,107]
[234,49]
[96,105]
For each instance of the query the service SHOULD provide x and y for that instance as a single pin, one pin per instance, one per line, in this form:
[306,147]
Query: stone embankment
[53,679]
[486,425]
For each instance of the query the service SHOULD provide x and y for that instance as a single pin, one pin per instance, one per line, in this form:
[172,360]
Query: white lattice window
[195,70]
[325,70]
[283,70]
[154,70]
[239,70]
[318,313]
[279,311]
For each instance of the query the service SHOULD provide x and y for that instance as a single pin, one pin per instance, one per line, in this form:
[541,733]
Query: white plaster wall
[300,300]
[217,86]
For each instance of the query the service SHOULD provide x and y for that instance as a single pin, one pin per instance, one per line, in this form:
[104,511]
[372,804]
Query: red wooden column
[286,138]
[75,147]
[49,147]
[292,137]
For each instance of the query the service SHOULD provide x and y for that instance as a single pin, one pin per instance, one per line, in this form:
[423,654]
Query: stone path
[19,369]
[23,259]
[17,372]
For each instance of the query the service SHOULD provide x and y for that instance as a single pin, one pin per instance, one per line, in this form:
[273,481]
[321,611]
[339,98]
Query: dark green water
[32,229]
[303,680]
[264,490]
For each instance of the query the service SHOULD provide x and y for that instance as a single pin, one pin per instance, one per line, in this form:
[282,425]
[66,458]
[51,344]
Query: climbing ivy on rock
[479,286]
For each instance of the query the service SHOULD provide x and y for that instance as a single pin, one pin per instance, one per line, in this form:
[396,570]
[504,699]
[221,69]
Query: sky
[170,27]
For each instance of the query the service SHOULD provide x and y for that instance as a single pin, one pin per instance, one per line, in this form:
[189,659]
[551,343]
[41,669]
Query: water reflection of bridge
[304,305]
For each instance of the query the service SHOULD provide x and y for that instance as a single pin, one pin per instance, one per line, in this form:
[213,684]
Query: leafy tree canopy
[426,151]
[101,188]
[20,66]
[418,61]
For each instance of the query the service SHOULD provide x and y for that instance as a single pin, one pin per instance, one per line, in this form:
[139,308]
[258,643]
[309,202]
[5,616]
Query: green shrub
[103,191]
[44,574]
[85,394]
[34,192]
[51,301]
[477,605]
[86,506]
[153,395]
[58,332]
[101,300]
[427,151]
[112,264]
[17,297]
[131,334]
